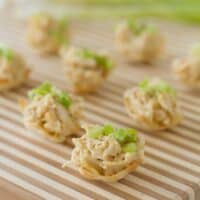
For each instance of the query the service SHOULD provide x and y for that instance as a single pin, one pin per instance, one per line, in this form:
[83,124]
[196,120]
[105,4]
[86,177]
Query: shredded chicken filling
[159,110]
[45,35]
[13,70]
[104,155]
[83,73]
[143,47]
[188,71]
[46,113]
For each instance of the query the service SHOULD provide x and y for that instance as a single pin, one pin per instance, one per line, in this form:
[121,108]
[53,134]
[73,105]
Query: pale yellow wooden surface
[30,167]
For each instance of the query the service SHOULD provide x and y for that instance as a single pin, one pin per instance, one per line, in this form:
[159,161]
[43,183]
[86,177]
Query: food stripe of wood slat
[11,191]
[45,180]
[16,180]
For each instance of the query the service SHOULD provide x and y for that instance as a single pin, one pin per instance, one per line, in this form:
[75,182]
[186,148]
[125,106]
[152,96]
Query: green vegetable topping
[100,60]
[6,53]
[126,137]
[108,129]
[95,132]
[138,28]
[156,87]
[129,147]
[62,24]
[58,32]
[47,88]
[59,36]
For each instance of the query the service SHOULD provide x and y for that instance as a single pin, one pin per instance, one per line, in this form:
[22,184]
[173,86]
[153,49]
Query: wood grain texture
[30,166]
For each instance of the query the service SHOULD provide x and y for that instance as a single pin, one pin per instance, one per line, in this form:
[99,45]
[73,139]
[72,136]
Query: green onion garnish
[156,87]
[95,132]
[126,137]
[129,147]
[100,60]
[58,32]
[138,28]
[47,88]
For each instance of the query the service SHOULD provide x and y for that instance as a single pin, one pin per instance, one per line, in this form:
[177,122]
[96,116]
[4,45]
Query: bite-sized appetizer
[13,69]
[106,153]
[85,69]
[153,105]
[138,42]
[52,112]
[47,34]
[187,70]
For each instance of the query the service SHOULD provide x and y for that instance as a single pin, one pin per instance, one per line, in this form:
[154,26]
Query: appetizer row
[135,41]
[105,152]
[85,70]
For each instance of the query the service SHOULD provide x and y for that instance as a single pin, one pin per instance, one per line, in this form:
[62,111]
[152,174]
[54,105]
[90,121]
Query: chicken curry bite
[47,34]
[13,69]
[107,153]
[139,42]
[52,112]
[187,70]
[85,69]
[153,105]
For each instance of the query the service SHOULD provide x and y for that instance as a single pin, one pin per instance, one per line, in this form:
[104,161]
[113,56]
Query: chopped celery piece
[139,27]
[95,132]
[47,88]
[100,60]
[125,135]
[132,135]
[108,129]
[129,147]
[157,87]
[58,32]
[64,99]
[122,135]
[63,24]
[136,27]
[42,90]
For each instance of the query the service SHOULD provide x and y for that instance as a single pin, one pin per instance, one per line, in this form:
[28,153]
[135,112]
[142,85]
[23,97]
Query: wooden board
[30,166]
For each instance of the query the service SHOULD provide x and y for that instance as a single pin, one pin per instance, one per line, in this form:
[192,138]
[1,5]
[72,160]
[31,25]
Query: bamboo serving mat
[30,166]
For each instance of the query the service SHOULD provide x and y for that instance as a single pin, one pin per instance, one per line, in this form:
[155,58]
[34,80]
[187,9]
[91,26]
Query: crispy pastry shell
[92,174]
